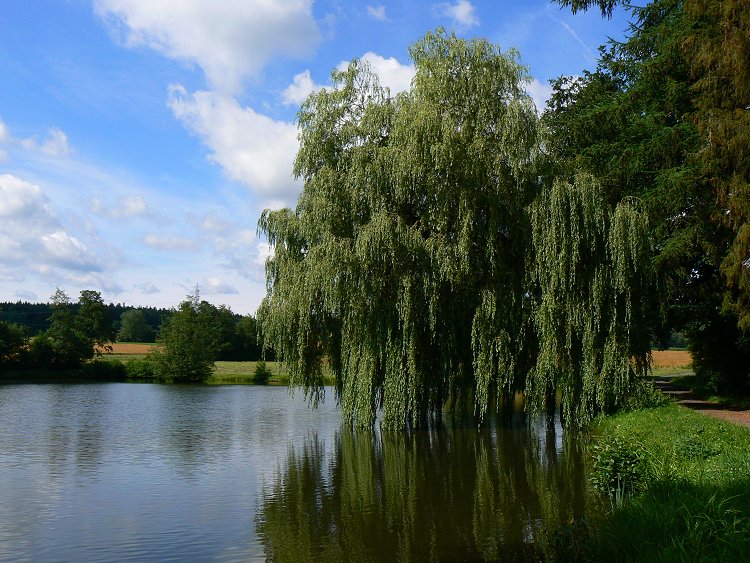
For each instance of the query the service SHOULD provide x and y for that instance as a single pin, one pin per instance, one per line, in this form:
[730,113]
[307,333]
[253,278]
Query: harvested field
[127,349]
[672,359]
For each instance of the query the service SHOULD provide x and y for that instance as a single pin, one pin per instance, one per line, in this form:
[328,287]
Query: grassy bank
[678,484]
[243,373]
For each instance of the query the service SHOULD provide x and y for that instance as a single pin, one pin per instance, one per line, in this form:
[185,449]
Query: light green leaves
[404,265]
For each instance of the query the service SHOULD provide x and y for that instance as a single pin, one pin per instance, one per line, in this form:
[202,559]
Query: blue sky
[141,139]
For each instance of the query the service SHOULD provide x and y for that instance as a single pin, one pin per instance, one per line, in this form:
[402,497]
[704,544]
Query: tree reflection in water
[505,493]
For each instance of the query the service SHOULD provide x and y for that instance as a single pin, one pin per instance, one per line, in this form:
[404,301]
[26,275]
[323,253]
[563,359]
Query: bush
[102,370]
[646,396]
[190,343]
[12,344]
[140,369]
[620,469]
[262,373]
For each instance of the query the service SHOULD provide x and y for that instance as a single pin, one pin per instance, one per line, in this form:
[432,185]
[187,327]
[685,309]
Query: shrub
[140,369]
[189,341]
[620,468]
[262,373]
[646,396]
[102,370]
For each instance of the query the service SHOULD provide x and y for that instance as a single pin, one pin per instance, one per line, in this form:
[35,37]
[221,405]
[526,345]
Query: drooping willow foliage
[591,272]
[403,265]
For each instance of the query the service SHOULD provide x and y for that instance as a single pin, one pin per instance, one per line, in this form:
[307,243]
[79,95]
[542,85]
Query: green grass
[243,373]
[124,357]
[662,372]
[692,498]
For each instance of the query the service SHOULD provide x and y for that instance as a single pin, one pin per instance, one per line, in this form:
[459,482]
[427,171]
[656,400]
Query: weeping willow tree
[404,264]
[592,274]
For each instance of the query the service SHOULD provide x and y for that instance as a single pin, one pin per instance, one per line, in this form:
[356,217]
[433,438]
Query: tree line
[450,243]
[36,317]
[74,333]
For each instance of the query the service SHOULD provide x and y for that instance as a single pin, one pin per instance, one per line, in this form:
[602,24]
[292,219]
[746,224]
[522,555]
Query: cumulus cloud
[168,243]
[392,73]
[301,87]
[22,200]
[32,238]
[251,148]
[62,249]
[540,93]
[377,12]
[228,40]
[462,13]
[4,135]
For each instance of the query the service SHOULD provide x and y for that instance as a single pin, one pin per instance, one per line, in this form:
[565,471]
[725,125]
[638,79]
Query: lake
[141,472]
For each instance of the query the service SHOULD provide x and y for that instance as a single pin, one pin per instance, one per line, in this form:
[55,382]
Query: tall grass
[687,497]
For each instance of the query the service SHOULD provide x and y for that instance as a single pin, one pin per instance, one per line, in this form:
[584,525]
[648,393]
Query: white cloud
[21,200]
[94,279]
[377,12]
[264,251]
[216,286]
[168,243]
[228,40]
[462,13]
[32,238]
[251,148]
[540,93]
[147,288]
[127,206]
[132,205]
[56,143]
[392,73]
[68,252]
[299,89]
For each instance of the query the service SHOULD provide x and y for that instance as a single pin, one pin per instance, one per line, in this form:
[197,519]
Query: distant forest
[237,333]
[36,316]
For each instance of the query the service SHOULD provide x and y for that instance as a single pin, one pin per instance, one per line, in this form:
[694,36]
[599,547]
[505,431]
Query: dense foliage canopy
[404,265]
[134,328]
[664,117]
[74,336]
[190,342]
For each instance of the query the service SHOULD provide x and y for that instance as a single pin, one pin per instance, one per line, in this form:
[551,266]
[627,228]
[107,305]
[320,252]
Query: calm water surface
[127,472]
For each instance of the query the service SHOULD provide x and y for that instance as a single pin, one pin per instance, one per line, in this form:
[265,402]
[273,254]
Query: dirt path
[684,397]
